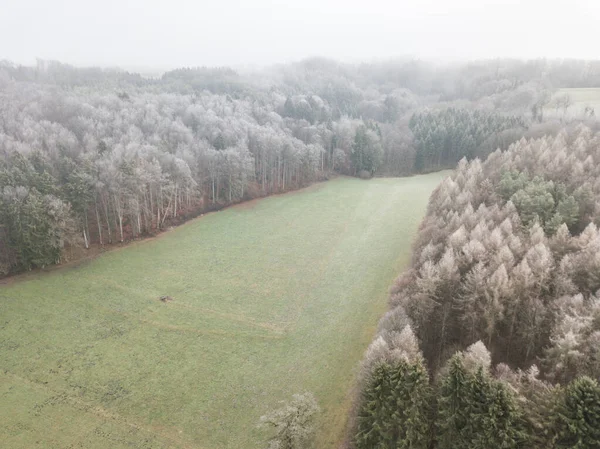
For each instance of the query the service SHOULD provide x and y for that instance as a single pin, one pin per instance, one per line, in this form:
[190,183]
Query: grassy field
[580,98]
[271,298]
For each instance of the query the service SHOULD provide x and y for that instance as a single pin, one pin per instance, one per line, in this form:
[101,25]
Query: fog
[138,34]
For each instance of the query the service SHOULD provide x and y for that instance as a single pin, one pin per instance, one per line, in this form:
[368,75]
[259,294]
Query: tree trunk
[442,333]
[213,189]
[105,204]
[121,226]
[175,208]
[99,224]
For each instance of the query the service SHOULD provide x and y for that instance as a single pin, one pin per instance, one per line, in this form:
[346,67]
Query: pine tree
[453,406]
[395,407]
[578,416]
[413,398]
[539,404]
[375,414]
[498,421]
[476,411]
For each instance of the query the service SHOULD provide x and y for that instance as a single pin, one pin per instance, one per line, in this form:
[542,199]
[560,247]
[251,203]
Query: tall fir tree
[395,411]
[374,429]
[578,416]
[476,411]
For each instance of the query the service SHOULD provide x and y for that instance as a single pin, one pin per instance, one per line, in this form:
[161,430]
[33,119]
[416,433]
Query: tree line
[92,156]
[442,138]
[492,335]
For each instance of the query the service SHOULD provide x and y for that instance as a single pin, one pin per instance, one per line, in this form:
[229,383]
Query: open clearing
[580,98]
[270,299]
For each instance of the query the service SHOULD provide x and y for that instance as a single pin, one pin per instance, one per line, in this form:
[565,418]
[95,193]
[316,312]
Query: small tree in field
[293,423]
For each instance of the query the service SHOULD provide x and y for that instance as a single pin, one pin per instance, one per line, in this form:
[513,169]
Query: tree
[578,416]
[293,423]
[538,399]
[444,137]
[37,226]
[394,406]
[475,411]
[366,151]
[453,407]
[79,192]
[394,411]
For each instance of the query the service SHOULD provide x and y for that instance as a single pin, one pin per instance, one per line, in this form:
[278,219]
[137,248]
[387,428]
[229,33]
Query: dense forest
[493,336]
[93,156]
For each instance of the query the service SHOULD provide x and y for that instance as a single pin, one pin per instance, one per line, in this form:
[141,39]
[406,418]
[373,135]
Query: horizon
[145,70]
[152,35]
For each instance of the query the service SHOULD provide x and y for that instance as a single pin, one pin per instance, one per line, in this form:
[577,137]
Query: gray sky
[138,34]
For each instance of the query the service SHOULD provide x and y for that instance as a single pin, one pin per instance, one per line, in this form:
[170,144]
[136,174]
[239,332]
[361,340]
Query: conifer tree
[477,411]
[395,407]
[453,406]
[412,395]
[375,414]
[578,416]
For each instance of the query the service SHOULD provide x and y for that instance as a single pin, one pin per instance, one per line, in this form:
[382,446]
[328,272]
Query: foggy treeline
[501,305]
[93,156]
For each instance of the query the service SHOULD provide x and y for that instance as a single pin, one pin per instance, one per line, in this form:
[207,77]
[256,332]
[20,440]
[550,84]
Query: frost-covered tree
[293,424]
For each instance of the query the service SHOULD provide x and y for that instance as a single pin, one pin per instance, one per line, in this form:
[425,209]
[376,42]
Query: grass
[270,298]
[580,98]
[582,95]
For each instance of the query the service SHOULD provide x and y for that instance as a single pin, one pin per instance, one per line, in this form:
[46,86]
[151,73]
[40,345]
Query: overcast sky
[138,34]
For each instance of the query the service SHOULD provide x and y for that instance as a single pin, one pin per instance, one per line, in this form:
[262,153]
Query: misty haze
[300,225]
[152,34]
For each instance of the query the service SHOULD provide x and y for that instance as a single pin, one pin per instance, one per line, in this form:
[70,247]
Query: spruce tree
[395,408]
[375,414]
[453,406]
[578,416]
[498,422]
[477,411]
[413,398]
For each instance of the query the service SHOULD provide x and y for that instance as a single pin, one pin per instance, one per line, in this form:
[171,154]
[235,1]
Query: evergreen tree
[37,226]
[453,407]
[366,150]
[444,137]
[376,412]
[395,407]
[413,401]
[578,416]
[476,411]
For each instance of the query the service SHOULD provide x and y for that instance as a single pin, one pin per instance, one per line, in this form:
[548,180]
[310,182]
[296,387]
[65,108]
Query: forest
[492,338]
[93,157]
